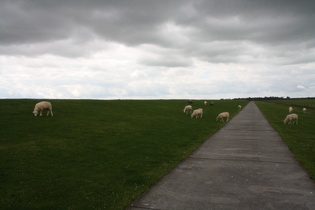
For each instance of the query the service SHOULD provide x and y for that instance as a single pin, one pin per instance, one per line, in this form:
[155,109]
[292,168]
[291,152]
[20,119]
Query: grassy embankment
[95,154]
[299,138]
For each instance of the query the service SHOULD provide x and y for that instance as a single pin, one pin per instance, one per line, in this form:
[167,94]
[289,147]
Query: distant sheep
[304,110]
[188,109]
[290,109]
[197,113]
[205,103]
[291,119]
[223,115]
[239,107]
[44,105]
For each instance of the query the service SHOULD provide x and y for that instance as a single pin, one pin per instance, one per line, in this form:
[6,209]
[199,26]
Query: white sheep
[291,118]
[205,103]
[197,113]
[223,115]
[44,105]
[290,109]
[304,110]
[187,109]
[239,107]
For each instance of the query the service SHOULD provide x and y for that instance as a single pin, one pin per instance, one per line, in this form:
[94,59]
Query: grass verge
[299,138]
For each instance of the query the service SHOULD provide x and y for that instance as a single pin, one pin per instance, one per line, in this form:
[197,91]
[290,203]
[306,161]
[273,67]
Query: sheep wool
[187,109]
[197,113]
[291,119]
[44,105]
[223,115]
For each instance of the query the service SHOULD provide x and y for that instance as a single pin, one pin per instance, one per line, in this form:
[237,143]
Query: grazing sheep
[290,119]
[304,110]
[290,109]
[239,107]
[223,115]
[44,105]
[197,113]
[188,109]
[205,103]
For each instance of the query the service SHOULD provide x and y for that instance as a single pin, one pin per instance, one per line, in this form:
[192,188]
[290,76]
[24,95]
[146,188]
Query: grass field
[95,154]
[299,138]
[297,103]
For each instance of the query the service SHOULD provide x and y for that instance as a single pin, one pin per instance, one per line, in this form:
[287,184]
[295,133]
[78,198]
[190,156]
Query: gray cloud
[136,40]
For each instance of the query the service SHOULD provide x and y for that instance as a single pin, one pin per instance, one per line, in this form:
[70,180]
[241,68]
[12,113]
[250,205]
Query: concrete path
[243,166]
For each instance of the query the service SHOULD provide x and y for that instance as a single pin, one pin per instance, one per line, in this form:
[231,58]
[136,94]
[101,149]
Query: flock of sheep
[292,118]
[197,113]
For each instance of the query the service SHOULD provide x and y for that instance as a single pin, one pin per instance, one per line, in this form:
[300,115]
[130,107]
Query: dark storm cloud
[42,20]
[138,21]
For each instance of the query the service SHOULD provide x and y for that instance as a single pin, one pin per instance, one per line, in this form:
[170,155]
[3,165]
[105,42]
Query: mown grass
[299,138]
[298,103]
[95,154]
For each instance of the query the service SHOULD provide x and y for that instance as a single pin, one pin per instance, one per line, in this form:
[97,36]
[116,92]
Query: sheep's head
[35,113]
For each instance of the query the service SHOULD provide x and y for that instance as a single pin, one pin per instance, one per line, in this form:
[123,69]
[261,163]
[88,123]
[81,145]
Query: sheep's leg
[41,113]
[51,113]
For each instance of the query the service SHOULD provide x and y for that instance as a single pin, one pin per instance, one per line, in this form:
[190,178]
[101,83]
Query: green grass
[95,154]
[298,103]
[299,138]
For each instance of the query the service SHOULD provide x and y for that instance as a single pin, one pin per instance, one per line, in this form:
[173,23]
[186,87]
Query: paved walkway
[245,165]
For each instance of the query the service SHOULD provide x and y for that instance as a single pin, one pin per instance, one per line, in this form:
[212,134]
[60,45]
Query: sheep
[197,112]
[223,115]
[290,109]
[291,118]
[304,110]
[205,103]
[239,107]
[187,109]
[44,105]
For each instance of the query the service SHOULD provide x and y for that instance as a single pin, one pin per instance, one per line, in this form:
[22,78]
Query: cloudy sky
[157,49]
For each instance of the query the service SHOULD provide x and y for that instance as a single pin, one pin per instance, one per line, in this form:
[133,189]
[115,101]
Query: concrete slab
[245,165]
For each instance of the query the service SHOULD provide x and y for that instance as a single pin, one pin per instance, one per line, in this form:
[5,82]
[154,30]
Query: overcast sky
[157,49]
